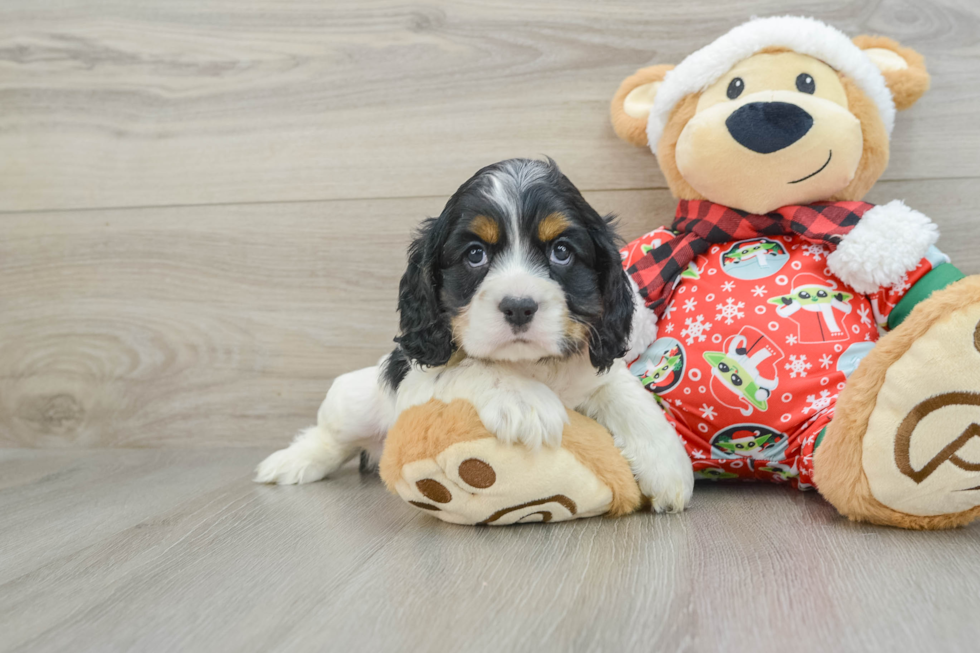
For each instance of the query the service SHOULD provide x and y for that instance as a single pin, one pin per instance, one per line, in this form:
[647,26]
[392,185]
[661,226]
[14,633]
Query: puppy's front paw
[532,414]
[668,481]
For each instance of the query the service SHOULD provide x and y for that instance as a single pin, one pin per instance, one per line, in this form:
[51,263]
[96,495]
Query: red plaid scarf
[700,224]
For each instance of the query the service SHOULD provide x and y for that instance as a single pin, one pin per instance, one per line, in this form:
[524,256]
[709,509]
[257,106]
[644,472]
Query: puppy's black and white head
[518,267]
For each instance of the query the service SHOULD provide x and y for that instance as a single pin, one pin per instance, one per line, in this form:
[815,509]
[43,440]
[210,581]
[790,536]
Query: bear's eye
[735,88]
[805,84]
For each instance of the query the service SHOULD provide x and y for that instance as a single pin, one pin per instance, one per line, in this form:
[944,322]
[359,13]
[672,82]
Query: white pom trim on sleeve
[889,241]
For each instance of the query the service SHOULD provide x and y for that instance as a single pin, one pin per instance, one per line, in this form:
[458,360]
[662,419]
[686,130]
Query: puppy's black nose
[766,127]
[518,311]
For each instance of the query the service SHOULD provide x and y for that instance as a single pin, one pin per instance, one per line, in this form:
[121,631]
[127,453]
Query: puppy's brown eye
[735,88]
[476,256]
[805,84]
[561,254]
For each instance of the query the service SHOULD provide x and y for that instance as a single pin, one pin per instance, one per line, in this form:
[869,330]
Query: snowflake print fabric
[754,346]
[798,366]
[695,329]
[730,311]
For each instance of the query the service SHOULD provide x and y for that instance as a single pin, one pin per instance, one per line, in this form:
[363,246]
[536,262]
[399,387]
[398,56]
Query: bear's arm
[888,243]
[893,304]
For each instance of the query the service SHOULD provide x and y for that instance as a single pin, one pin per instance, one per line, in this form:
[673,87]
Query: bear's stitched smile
[830,155]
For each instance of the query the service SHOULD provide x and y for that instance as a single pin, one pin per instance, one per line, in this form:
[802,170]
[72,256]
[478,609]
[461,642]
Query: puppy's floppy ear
[904,69]
[632,103]
[427,336]
[609,338]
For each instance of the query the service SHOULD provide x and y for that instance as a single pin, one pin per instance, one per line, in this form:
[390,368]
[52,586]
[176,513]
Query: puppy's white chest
[573,380]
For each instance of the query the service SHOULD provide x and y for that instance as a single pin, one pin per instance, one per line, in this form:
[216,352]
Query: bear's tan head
[777,111]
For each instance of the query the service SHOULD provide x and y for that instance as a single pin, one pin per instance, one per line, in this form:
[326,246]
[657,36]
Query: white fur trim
[804,35]
[889,241]
[644,329]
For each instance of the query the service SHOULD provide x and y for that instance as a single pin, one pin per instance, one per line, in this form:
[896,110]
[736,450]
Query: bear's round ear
[632,103]
[904,69]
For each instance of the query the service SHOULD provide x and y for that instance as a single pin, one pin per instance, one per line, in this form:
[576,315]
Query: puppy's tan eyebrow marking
[486,229]
[552,226]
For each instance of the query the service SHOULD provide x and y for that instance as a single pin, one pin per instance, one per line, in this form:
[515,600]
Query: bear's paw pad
[488,482]
[921,453]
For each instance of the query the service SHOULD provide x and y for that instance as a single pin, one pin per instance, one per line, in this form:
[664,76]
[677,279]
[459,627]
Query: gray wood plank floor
[204,207]
[150,550]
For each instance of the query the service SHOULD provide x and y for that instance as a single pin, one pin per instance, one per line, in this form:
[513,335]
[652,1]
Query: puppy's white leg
[313,454]
[522,410]
[650,444]
[355,415]
[512,406]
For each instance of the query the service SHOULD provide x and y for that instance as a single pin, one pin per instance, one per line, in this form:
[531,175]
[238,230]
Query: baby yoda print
[753,441]
[745,443]
[754,259]
[663,375]
[781,473]
[737,371]
[713,474]
[760,250]
[661,367]
[820,302]
[777,371]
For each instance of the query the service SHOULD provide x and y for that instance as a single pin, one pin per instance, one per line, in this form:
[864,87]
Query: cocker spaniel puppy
[515,300]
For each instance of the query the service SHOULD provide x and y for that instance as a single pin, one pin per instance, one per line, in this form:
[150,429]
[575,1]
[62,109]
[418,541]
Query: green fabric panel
[938,279]
[823,432]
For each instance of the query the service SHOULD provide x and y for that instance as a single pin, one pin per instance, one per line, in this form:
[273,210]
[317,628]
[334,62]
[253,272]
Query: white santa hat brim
[804,35]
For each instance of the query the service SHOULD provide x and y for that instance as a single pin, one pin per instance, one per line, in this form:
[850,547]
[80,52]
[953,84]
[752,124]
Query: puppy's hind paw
[309,458]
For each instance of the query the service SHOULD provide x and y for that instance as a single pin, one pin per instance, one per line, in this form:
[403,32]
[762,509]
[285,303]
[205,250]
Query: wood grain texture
[165,102]
[197,558]
[224,325]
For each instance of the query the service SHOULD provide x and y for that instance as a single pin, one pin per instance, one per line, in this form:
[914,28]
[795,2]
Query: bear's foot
[904,446]
[440,459]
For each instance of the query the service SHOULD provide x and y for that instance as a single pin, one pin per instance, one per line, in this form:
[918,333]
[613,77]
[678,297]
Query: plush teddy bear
[767,297]
[762,308]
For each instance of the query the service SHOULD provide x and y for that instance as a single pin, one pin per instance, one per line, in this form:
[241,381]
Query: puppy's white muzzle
[500,323]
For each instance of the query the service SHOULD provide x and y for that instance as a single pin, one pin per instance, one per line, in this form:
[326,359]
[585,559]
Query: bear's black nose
[766,127]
